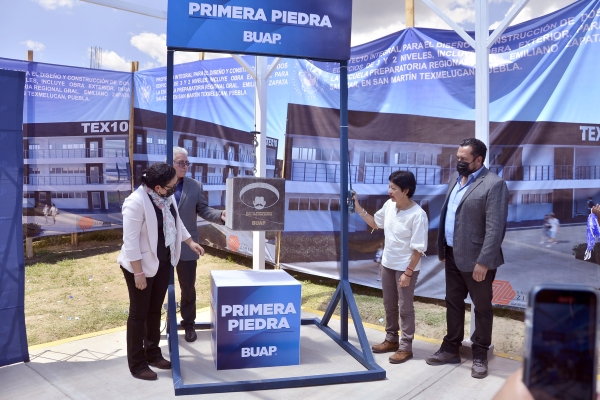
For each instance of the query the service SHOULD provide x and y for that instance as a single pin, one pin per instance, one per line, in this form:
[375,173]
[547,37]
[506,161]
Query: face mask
[170,192]
[463,168]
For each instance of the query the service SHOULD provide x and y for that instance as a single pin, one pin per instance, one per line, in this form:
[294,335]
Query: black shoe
[190,333]
[443,357]
[479,369]
[161,363]
[146,375]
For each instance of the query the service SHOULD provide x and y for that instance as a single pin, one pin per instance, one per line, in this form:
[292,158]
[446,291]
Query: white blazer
[140,233]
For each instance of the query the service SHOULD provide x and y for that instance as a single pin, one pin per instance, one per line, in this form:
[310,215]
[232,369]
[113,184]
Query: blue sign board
[255,319]
[313,29]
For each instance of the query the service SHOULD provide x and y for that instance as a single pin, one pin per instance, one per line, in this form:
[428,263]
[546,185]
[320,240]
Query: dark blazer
[480,223]
[192,204]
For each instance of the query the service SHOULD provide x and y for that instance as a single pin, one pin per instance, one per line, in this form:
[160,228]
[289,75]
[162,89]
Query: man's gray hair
[179,150]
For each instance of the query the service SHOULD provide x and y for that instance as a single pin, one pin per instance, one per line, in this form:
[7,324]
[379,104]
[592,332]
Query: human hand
[479,272]
[140,281]
[514,388]
[196,248]
[356,203]
[404,280]
[224,216]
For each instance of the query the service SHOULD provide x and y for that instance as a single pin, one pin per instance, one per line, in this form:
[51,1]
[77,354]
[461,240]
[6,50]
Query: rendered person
[471,231]
[378,257]
[53,212]
[191,204]
[46,210]
[152,236]
[405,226]
[554,224]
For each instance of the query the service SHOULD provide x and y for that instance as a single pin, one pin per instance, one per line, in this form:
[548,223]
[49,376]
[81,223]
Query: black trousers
[458,285]
[186,274]
[143,323]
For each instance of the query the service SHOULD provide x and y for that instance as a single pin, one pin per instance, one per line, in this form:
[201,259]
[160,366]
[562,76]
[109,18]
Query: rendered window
[303,204]
[334,205]
[324,204]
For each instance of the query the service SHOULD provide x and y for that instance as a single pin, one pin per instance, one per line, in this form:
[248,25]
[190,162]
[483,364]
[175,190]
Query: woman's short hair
[404,180]
[158,174]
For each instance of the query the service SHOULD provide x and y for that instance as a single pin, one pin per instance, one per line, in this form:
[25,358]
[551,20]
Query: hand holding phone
[351,208]
[561,348]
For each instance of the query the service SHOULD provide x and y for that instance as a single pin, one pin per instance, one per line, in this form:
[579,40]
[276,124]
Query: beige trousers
[399,305]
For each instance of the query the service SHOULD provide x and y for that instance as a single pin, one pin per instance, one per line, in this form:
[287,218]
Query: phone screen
[563,345]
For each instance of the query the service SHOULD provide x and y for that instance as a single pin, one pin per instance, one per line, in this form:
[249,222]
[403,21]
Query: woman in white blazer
[152,236]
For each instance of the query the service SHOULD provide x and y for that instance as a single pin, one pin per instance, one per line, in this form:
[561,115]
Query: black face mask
[170,192]
[463,168]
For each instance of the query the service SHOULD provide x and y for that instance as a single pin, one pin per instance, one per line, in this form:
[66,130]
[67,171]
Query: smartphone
[351,208]
[561,342]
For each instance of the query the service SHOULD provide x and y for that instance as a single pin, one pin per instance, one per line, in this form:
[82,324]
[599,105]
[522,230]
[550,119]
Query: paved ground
[96,368]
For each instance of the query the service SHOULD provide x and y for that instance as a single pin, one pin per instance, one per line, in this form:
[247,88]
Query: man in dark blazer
[191,203]
[471,231]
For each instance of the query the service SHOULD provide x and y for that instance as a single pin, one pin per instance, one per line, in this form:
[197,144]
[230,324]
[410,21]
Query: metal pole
[134,68]
[344,192]
[410,13]
[134,8]
[169,146]
[482,78]
[260,121]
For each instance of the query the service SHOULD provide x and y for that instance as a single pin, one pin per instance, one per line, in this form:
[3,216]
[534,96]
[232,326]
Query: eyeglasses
[183,164]
[167,188]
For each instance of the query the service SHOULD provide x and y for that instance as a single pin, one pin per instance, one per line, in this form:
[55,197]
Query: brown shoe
[146,375]
[161,363]
[400,356]
[385,347]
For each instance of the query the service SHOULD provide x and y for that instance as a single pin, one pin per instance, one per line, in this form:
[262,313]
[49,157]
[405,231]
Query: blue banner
[411,101]
[75,147]
[13,339]
[57,93]
[308,29]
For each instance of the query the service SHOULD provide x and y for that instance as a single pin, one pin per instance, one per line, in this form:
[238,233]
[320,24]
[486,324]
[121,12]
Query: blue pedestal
[255,318]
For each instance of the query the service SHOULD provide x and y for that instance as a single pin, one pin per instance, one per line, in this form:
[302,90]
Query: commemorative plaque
[255,204]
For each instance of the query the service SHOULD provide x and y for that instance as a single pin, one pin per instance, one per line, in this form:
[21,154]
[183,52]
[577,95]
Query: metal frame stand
[343,294]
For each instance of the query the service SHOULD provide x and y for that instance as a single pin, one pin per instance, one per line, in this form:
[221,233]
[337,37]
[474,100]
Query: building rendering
[548,167]
[76,165]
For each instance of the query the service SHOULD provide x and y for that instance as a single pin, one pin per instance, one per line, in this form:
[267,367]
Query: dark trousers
[458,285]
[186,274]
[143,323]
